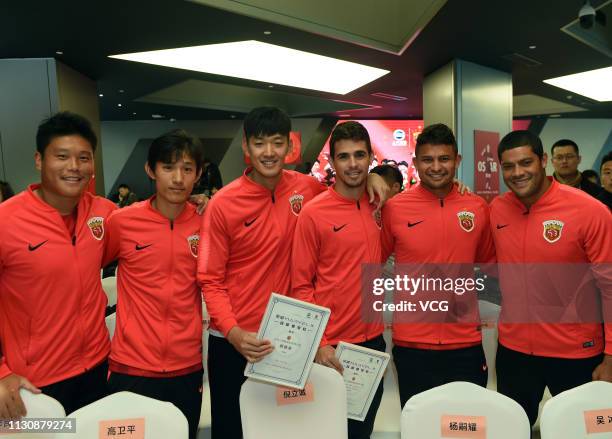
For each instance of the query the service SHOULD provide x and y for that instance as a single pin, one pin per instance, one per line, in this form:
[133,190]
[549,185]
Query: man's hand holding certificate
[295,329]
[363,370]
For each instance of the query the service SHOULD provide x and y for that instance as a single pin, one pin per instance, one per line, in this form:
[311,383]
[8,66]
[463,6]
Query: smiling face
[351,161]
[524,173]
[66,166]
[436,165]
[267,154]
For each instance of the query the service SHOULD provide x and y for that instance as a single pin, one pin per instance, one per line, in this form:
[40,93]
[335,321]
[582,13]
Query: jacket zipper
[169,300]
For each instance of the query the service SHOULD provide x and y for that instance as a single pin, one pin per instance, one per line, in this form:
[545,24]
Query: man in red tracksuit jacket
[52,331]
[245,252]
[433,224]
[336,233]
[554,249]
[157,347]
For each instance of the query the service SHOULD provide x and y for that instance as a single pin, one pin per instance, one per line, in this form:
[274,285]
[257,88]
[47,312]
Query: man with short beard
[336,233]
[554,250]
[433,224]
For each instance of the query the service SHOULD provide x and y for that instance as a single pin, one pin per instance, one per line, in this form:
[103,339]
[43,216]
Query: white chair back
[323,418]
[582,412]
[111,320]
[109,285]
[128,411]
[38,406]
[462,406]
[489,315]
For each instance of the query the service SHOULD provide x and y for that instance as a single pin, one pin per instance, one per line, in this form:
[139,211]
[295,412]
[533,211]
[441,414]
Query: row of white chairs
[452,407]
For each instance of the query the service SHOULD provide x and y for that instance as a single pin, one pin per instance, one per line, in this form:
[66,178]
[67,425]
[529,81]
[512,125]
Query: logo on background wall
[466,220]
[296,201]
[96,225]
[193,241]
[552,230]
[399,138]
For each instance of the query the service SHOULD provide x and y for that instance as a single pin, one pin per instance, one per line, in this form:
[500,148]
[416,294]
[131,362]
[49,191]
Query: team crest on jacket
[193,241]
[552,230]
[296,201]
[378,218]
[466,220]
[96,225]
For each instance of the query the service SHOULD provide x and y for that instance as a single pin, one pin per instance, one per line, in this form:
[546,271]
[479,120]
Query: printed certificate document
[363,370]
[295,329]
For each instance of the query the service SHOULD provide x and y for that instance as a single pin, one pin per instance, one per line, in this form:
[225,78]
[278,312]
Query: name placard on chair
[288,395]
[461,426]
[126,428]
[598,421]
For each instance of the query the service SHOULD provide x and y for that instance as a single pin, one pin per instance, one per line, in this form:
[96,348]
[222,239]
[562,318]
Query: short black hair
[390,173]
[121,186]
[6,190]
[564,142]
[171,146]
[588,173]
[436,134]
[606,158]
[64,123]
[518,138]
[350,130]
[266,121]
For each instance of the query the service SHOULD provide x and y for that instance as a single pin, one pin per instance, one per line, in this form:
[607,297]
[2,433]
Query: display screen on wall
[393,143]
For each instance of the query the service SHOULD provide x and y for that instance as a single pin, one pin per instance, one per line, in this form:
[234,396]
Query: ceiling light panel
[264,62]
[594,84]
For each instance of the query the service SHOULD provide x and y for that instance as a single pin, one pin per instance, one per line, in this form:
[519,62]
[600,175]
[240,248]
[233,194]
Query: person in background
[210,182]
[392,176]
[126,196]
[565,160]
[592,176]
[606,180]
[6,191]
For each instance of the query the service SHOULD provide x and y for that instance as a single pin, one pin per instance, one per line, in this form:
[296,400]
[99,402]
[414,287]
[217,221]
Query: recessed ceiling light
[59,52]
[532,47]
[119,105]
[555,115]
[594,84]
[157,116]
[270,86]
[121,91]
[232,116]
[134,113]
[344,115]
[569,96]
[303,69]
[101,95]
[172,119]
[267,32]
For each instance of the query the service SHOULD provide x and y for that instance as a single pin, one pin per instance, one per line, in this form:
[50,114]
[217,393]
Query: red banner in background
[393,143]
[295,156]
[486,167]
